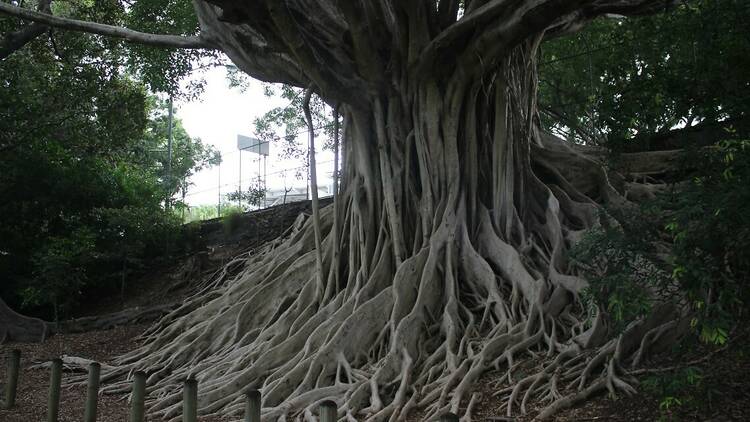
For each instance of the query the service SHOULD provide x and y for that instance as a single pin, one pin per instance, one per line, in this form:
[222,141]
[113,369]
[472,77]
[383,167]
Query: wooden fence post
[53,405]
[328,411]
[138,397]
[190,401]
[92,392]
[252,406]
[448,417]
[14,366]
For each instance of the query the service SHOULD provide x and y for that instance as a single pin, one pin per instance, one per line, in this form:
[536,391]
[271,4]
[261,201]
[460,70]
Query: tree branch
[493,27]
[14,41]
[129,35]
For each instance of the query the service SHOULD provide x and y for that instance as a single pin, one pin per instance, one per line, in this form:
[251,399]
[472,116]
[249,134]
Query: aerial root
[395,338]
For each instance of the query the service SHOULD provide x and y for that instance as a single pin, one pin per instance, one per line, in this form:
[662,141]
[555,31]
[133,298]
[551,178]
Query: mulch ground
[723,393]
[33,384]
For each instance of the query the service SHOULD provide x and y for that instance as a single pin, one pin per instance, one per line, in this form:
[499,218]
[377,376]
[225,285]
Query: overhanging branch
[14,41]
[129,35]
[489,29]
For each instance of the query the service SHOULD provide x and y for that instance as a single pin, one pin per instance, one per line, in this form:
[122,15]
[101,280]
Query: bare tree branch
[129,35]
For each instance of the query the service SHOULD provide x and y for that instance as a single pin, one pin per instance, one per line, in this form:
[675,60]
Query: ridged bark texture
[452,224]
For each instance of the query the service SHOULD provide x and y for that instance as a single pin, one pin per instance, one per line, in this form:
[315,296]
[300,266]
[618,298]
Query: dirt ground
[33,384]
[723,393]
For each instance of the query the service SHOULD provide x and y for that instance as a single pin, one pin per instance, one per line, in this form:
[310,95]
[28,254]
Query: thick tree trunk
[444,254]
[454,218]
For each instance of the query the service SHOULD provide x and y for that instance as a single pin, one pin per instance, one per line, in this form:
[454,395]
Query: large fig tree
[443,256]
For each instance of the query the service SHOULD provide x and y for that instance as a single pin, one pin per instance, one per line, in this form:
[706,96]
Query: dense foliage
[621,265]
[691,244]
[630,84]
[711,237]
[83,178]
[621,78]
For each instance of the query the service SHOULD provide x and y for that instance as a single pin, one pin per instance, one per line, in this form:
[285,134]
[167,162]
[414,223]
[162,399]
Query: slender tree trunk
[56,312]
[314,187]
[123,275]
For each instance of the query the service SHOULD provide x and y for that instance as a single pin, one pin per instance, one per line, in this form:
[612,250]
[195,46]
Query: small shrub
[232,221]
[60,272]
[708,259]
[680,389]
[710,229]
[620,266]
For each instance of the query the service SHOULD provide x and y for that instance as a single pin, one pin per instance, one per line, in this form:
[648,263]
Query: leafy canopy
[83,177]
[624,77]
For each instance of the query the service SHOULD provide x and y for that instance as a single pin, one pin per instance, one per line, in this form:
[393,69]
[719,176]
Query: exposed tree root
[138,315]
[444,257]
[17,327]
[392,338]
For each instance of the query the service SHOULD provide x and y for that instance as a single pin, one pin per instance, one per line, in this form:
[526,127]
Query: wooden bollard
[92,392]
[14,365]
[138,397]
[53,405]
[252,406]
[328,411]
[448,417]
[190,401]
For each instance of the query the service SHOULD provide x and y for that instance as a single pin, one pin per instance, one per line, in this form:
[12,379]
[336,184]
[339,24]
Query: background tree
[82,177]
[189,155]
[624,80]
[201,212]
[290,121]
[250,198]
[444,254]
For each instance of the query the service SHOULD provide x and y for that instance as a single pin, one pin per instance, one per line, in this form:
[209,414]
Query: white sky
[217,117]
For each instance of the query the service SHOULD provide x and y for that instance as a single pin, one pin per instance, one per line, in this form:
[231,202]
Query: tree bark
[456,215]
[16,327]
